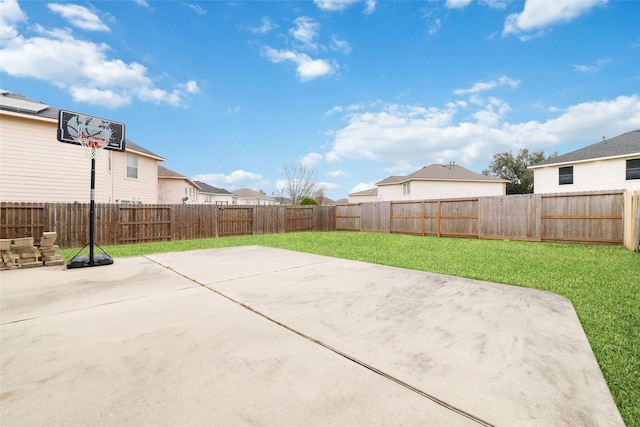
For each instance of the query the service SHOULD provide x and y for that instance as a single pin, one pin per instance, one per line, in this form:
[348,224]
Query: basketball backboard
[72,127]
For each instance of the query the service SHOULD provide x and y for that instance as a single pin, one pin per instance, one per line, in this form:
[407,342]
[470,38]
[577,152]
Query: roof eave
[596,159]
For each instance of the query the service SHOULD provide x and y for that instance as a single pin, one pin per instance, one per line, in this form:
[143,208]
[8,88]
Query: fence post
[636,239]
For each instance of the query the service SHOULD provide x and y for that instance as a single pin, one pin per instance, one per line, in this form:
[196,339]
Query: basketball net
[92,144]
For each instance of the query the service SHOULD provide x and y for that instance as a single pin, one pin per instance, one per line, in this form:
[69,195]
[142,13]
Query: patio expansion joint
[334,350]
[26,319]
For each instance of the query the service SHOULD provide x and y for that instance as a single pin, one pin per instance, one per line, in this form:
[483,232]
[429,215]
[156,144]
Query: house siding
[172,190]
[363,198]
[601,175]
[36,167]
[423,190]
[144,188]
[220,199]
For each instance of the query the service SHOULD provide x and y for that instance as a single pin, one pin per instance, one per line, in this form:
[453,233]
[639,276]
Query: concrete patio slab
[261,336]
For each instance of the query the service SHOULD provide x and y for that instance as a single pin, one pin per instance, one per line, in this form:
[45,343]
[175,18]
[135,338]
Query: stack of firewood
[27,252]
[6,258]
[48,249]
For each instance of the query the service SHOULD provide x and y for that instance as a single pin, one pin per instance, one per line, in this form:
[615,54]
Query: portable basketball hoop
[94,134]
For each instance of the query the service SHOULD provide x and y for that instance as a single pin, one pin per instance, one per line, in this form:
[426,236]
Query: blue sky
[230,91]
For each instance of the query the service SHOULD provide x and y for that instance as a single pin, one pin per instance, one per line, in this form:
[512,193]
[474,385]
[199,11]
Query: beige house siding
[172,190]
[217,199]
[36,167]
[595,175]
[422,190]
[359,198]
[144,188]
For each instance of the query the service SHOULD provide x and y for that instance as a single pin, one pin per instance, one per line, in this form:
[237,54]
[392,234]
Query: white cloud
[484,86]
[362,186]
[142,3]
[413,136]
[539,14]
[197,9]
[593,68]
[305,31]
[337,174]
[235,180]
[340,45]
[95,77]
[457,4]
[265,27]
[10,15]
[79,16]
[311,160]
[338,5]
[369,6]
[307,68]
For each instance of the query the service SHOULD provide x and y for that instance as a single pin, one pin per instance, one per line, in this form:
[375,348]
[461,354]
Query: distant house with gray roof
[174,188]
[247,196]
[370,195]
[213,195]
[440,182]
[611,164]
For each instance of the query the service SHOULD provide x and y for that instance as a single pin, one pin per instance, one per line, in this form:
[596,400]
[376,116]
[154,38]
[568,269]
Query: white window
[406,188]
[132,166]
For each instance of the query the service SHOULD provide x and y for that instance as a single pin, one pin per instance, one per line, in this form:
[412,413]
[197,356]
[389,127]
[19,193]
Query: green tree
[514,168]
[308,201]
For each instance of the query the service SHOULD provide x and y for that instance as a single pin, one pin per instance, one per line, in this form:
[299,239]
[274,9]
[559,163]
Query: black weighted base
[83,261]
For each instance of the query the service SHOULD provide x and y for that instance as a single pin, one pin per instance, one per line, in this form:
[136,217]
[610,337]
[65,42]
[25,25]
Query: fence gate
[235,221]
[299,219]
[140,223]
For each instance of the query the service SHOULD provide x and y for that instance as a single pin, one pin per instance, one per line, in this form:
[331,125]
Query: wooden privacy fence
[601,217]
[579,217]
[121,224]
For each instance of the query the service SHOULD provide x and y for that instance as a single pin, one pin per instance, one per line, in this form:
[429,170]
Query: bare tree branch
[299,181]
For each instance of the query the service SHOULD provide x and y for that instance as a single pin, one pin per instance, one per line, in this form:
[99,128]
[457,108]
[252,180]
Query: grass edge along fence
[599,217]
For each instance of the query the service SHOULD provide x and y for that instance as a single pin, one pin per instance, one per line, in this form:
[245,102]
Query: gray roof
[168,173]
[21,104]
[621,145]
[206,188]
[369,192]
[436,172]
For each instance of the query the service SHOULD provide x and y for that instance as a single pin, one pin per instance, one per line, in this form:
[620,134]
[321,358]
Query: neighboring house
[440,182]
[247,196]
[370,195]
[214,195]
[174,188]
[36,167]
[612,164]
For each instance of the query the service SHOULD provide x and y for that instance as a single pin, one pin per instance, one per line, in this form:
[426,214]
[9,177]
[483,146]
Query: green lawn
[602,282]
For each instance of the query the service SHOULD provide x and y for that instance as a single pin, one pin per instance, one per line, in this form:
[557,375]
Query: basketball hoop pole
[92,210]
